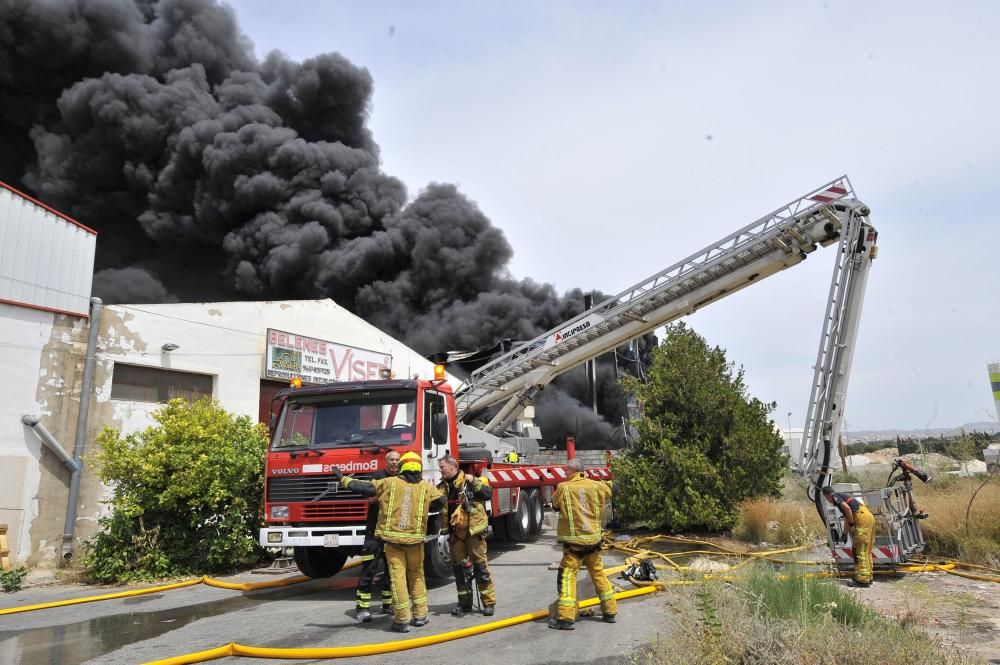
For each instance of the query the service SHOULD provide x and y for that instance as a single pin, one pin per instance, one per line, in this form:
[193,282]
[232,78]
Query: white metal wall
[46,260]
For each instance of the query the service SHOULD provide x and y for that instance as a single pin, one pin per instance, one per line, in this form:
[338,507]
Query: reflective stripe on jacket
[580,502]
[478,492]
[403,508]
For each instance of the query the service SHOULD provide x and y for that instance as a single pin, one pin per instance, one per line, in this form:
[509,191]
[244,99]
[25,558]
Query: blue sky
[662,127]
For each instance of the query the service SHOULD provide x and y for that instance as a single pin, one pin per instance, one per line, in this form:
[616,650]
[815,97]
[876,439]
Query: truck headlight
[274,536]
[279,512]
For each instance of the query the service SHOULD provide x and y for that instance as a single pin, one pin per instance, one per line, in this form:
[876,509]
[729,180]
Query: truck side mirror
[439,428]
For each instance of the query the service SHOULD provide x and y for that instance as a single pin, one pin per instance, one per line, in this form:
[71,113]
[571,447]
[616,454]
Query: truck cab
[350,426]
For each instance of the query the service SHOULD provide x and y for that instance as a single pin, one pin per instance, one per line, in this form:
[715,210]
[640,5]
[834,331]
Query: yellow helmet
[410,462]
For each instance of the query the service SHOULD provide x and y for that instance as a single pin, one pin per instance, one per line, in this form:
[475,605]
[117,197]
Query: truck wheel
[535,508]
[319,561]
[519,521]
[437,559]
[499,525]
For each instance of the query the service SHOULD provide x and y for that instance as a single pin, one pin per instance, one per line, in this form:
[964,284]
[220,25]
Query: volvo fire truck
[352,425]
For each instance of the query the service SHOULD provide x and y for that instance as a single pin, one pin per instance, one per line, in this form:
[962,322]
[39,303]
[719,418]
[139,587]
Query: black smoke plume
[212,175]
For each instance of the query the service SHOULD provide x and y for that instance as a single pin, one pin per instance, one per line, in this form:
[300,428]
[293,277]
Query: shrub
[704,443]
[11,580]
[185,494]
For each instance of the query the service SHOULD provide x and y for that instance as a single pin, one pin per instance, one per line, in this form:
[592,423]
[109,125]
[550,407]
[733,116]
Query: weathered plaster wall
[42,357]
[225,340]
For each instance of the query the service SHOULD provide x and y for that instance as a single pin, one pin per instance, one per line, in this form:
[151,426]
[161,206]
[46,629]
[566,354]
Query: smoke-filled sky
[591,147]
[610,140]
[212,173]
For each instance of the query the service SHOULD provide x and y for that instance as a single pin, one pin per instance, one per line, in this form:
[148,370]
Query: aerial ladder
[832,213]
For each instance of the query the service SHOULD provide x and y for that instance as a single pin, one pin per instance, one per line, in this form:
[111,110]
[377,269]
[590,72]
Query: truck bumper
[312,536]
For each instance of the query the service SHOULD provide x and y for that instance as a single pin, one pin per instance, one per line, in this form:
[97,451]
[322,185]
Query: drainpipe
[51,443]
[79,442]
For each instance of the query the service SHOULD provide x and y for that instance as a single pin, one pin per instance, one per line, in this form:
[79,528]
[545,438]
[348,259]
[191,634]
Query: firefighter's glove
[370,546]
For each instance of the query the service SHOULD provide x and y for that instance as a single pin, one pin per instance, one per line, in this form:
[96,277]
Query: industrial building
[240,353]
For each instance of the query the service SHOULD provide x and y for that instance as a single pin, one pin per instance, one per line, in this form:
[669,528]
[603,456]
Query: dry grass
[948,533]
[792,520]
[778,522]
[719,624]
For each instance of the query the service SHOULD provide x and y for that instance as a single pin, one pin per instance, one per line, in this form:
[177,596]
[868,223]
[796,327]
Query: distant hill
[860,436]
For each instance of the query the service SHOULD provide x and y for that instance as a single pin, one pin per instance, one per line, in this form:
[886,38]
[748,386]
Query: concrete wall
[43,354]
[225,340]
[589,457]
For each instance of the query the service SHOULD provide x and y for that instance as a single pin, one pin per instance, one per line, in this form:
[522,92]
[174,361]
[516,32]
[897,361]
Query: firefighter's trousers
[370,560]
[863,536]
[573,559]
[463,546]
[406,570]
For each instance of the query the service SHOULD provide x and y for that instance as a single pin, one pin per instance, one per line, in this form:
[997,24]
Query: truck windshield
[380,417]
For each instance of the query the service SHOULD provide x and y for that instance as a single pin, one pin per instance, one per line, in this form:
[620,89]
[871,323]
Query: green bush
[11,580]
[704,444]
[185,495]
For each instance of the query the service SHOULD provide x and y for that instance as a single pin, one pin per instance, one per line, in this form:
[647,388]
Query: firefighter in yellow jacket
[404,503]
[580,502]
[861,523]
[465,523]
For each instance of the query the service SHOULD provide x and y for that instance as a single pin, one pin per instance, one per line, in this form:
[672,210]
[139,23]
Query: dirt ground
[962,613]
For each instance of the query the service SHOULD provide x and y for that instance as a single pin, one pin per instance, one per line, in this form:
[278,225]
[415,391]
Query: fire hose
[209,581]
[633,571]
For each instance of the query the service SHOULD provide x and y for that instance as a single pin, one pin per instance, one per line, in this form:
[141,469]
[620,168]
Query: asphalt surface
[320,614]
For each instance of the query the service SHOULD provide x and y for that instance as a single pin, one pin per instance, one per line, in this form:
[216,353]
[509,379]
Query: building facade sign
[318,361]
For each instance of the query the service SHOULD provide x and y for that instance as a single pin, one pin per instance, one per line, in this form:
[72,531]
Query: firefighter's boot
[484,582]
[559,624]
[386,602]
[463,584]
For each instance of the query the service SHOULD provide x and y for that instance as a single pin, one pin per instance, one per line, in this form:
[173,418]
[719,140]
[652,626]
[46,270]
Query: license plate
[330,540]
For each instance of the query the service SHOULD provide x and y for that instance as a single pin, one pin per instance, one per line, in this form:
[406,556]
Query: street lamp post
[788,433]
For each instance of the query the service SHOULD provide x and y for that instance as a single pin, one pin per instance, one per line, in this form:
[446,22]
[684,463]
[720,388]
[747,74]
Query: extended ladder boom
[772,243]
[832,371]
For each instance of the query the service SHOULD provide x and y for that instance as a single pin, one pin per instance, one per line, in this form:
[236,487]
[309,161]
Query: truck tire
[519,521]
[319,562]
[499,525]
[437,559]
[537,513]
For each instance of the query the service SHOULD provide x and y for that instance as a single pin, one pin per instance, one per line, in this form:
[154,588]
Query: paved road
[320,613]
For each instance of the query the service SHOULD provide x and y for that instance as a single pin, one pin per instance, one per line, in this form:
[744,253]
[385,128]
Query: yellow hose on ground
[309,653]
[252,586]
[236,586]
[91,599]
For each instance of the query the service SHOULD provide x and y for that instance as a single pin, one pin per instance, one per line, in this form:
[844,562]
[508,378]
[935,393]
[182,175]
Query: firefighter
[465,524]
[373,553]
[862,525]
[404,503]
[580,502]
